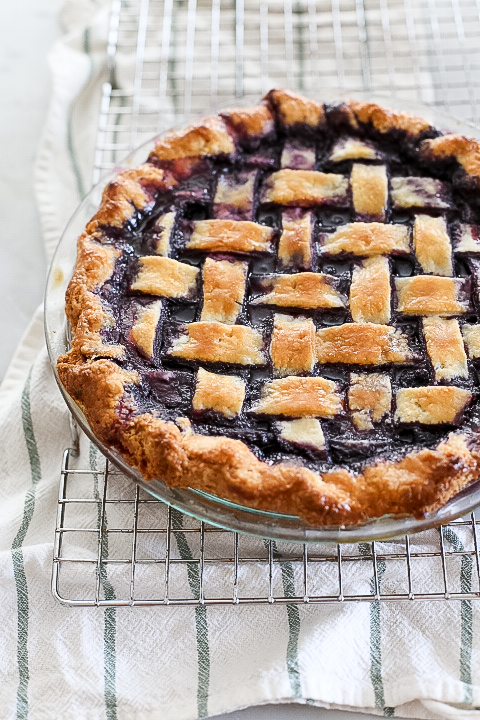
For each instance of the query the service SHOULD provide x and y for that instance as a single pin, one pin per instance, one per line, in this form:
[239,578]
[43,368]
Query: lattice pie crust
[281,307]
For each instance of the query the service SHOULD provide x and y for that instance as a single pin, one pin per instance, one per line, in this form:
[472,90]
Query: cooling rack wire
[169,60]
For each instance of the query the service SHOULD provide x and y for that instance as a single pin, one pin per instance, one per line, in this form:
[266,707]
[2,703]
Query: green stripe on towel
[110,621]
[376,638]
[70,141]
[201,625]
[299,27]
[466,615]
[293,617]
[17,555]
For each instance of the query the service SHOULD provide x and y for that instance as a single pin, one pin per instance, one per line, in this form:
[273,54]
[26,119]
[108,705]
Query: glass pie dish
[200,504]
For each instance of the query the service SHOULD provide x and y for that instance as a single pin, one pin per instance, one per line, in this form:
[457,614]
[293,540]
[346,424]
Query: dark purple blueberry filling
[168,383]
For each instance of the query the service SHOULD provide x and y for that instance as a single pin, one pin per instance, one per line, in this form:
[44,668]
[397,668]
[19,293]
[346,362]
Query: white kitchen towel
[416,660]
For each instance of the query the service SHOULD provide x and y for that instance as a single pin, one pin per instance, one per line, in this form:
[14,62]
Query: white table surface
[25,88]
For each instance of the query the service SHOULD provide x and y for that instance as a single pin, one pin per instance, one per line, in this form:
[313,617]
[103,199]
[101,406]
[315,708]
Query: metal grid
[169,60]
[116,545]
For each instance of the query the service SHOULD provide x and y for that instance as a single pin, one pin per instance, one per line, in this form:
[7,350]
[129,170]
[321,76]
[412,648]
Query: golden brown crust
[206,138]
[234,194]
[130,191]
[369,191]
[95,265]
[383,120]
[230,236]
[300,397]
[306,432]
[305,290]
[432,245]
[166,277]
[362,344]
[469,240]
[424,479]
[255,122]
[295,244]
[292,109]
[293,345]
[367,239]
[353,149]
[163,233]
[430,295]
[431,405]
[305,188]
[369,398]
[370,291]
[84,309]
[222,393]
[445,348]
[216,342]
[471,335]
[88,341]
[466,151]
[145,327]
[223,290]
[98,387]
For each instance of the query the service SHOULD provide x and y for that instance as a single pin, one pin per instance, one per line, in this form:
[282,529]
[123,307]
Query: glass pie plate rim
[201,505]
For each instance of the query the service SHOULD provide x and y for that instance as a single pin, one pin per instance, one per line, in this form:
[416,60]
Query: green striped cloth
[416,660]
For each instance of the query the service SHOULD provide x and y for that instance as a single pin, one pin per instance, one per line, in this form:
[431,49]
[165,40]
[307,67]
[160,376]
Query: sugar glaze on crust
[296,399]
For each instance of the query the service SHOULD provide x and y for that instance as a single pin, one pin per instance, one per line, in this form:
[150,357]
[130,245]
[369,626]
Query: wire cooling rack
[116,545]
[169,60]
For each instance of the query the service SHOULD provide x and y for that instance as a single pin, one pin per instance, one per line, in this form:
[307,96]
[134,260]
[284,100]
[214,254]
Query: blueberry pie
[281,307]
